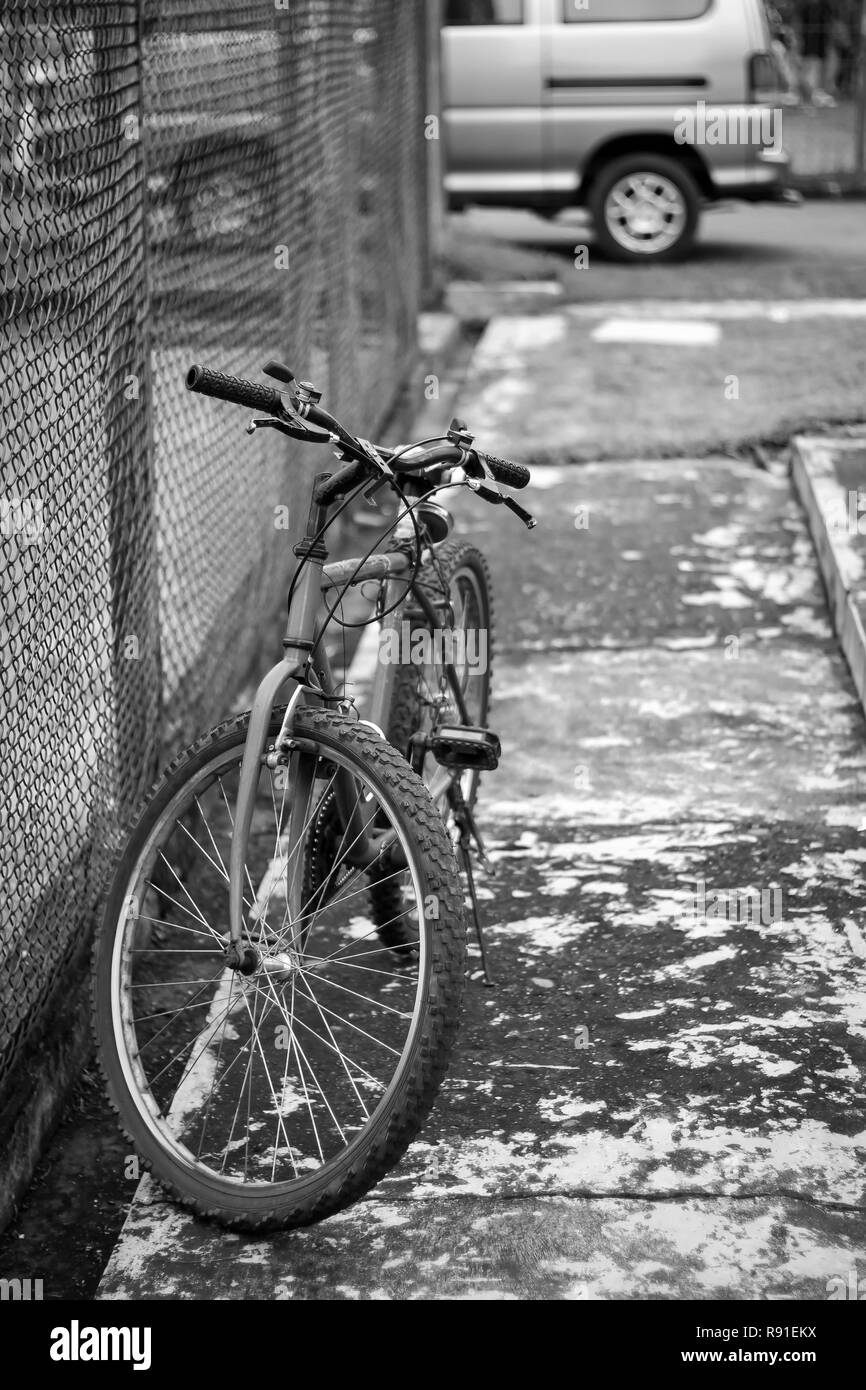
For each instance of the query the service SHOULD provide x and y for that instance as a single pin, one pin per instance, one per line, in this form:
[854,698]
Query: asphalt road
[832,229]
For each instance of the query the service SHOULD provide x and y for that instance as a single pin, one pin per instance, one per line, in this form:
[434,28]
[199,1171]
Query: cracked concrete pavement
[663,1097]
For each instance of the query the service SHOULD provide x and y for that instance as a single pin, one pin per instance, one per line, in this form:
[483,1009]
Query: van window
[484,12]
[607,11]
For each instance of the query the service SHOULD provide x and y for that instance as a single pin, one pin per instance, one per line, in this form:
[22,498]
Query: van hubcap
[646,213]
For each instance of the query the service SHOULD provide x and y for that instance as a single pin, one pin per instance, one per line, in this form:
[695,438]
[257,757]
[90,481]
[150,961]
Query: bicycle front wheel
[275,1099]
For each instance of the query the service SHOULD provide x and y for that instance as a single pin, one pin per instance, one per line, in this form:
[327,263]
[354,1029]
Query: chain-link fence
[183,181]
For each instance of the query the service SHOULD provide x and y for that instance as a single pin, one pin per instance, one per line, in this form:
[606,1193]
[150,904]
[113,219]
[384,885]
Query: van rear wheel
[645,207]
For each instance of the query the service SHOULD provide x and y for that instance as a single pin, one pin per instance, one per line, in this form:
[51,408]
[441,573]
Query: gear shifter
[278,372]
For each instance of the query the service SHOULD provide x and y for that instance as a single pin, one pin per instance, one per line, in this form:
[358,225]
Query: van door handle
[563,83]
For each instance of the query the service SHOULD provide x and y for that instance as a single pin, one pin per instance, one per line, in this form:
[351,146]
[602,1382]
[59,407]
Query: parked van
[640,110]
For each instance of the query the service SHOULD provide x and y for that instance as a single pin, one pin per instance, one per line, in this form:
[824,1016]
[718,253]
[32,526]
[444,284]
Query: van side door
[492,100]
[615,68]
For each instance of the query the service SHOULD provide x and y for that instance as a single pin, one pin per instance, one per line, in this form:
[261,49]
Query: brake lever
[498,499]
[294,427]
[529,521]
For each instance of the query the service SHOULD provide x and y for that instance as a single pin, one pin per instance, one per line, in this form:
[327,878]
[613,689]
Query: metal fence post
[134,591]
[435,12]
[861,93]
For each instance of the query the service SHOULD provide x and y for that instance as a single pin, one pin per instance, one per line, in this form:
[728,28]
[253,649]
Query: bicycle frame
[287,682]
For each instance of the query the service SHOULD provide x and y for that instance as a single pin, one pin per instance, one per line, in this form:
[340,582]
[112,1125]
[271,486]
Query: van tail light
[763,80]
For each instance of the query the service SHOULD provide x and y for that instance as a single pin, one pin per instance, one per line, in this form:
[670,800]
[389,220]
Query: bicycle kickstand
[465,823]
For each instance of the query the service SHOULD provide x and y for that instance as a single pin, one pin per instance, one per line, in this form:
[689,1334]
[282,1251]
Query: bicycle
[278,974]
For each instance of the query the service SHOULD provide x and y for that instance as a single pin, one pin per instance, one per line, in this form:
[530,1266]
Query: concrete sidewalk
[663,1098]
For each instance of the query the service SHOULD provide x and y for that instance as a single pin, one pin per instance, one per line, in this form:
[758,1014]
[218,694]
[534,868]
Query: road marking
[663,332]
[776,310]
[551,287]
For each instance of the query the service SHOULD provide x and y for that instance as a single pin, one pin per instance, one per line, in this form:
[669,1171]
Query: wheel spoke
[341,901]
[171,1013]
[386,1008]
[380,950]
[374,1080]
[181,1050]
[357,1029]
[338,1050]
[255,1034]
[313,961]
[196,918]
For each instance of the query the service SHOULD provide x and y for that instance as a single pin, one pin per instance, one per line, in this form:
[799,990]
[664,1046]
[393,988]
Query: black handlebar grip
[230,388]
[510,474]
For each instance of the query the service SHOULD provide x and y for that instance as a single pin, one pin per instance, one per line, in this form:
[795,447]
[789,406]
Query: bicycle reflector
[463,747]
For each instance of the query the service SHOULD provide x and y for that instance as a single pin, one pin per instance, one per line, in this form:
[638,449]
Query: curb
[826,505]
[847,184]
[476,301]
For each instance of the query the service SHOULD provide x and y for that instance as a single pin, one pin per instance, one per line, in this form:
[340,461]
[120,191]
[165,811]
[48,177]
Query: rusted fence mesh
[183,181]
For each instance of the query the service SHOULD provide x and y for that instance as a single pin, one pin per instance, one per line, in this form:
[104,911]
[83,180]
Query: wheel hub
[646,221]
[282,965]
[251,963]
[645,213]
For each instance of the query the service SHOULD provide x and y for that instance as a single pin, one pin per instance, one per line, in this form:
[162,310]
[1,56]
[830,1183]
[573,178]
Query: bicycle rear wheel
[457,582]
[273,1100]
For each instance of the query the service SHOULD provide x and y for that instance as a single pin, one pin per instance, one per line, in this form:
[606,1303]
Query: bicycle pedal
[466,748]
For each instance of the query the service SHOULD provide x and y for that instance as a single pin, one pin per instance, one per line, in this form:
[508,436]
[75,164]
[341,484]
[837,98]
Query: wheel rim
[646,213]
[269,1082]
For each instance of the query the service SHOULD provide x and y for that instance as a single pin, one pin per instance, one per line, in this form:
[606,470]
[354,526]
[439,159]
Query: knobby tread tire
[405,714]
[405,704]
[310,1200]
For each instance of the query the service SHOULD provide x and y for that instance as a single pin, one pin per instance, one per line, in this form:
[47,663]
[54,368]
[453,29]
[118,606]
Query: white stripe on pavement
[664,332]
[776,310]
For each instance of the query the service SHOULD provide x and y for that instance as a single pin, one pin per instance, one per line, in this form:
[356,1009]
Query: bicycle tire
[381,1140]
[407,704]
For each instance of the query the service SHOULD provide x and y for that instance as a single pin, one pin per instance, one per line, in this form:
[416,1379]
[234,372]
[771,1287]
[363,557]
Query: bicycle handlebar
[206,382]
[513,475]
